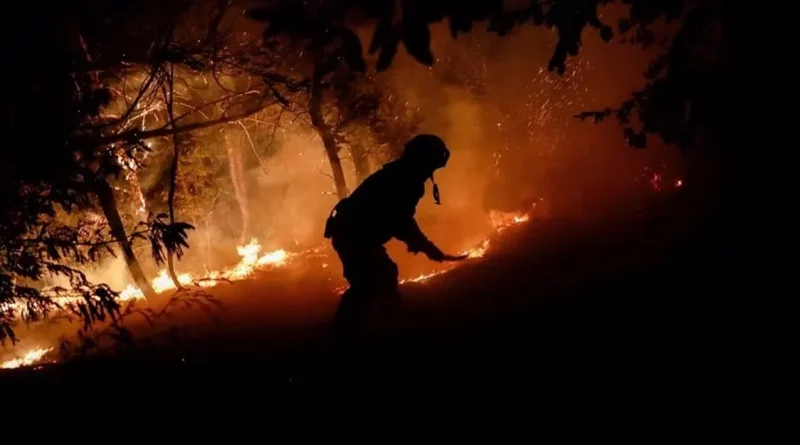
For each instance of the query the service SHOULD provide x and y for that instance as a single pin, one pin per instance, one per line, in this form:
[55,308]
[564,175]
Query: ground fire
[251,262]
[30,358]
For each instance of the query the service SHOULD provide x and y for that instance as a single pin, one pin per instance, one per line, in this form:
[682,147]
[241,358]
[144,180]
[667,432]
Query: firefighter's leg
[351,314]
[387,299]
[385,273]
[353,307]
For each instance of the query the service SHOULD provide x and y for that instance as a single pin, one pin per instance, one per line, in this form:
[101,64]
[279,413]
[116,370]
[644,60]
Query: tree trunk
[236,164]
[324,131]
[109,206]
[171,202]
[173,174]
[360,161]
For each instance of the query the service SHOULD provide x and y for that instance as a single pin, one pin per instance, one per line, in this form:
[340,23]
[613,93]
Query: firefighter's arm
[412,235]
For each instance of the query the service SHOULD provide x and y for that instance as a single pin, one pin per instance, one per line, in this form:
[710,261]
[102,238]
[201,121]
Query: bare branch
[166,130]
[215,102]
[253,147]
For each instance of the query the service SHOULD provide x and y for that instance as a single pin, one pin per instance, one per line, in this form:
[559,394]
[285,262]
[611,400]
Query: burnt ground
[648,305]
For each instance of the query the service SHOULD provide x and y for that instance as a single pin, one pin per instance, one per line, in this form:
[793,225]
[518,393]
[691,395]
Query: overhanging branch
[166,130]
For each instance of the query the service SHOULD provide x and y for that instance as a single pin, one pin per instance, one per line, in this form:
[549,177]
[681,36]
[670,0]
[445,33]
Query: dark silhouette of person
[379,209]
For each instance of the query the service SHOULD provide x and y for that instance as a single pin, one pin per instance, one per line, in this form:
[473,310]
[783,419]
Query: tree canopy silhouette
[672,105]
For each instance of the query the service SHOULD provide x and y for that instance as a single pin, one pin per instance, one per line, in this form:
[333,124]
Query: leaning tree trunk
[236,164]
[324,131]
[109,205]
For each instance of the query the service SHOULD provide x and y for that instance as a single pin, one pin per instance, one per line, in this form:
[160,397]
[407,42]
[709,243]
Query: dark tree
[42,173]
[322,46]
[369,121]
[62,153]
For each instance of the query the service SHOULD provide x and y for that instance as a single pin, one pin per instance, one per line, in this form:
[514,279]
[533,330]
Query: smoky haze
[508,121]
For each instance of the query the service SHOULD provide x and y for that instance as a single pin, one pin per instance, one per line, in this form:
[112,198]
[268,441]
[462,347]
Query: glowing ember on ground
[30,358]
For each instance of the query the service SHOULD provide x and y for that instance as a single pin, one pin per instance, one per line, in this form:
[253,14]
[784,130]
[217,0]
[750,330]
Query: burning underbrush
[254,261]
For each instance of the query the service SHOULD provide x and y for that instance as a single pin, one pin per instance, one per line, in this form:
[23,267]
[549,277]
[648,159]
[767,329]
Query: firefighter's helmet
[427,150]
[430,153]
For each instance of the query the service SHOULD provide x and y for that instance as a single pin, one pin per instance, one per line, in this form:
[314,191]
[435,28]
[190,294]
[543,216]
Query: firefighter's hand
[435,254]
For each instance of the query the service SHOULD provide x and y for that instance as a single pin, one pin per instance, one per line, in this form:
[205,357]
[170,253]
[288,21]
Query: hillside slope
[555,305]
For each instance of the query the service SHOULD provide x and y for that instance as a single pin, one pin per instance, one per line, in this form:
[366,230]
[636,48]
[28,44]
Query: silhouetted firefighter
[380,209]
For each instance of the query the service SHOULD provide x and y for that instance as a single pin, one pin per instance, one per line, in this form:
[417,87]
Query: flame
[211,279]
[426,276]
[131,293]
[477,252]
[30,358]
[277,258]
[503,220]
[249,263]
[500,221]
[162,282]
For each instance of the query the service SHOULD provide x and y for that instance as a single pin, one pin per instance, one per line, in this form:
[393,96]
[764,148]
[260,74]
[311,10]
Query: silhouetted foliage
[166,236]
[666,106]
[409,23]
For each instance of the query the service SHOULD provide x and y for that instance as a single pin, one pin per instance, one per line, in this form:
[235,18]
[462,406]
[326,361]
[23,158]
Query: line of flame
[30,358]
[251,262]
